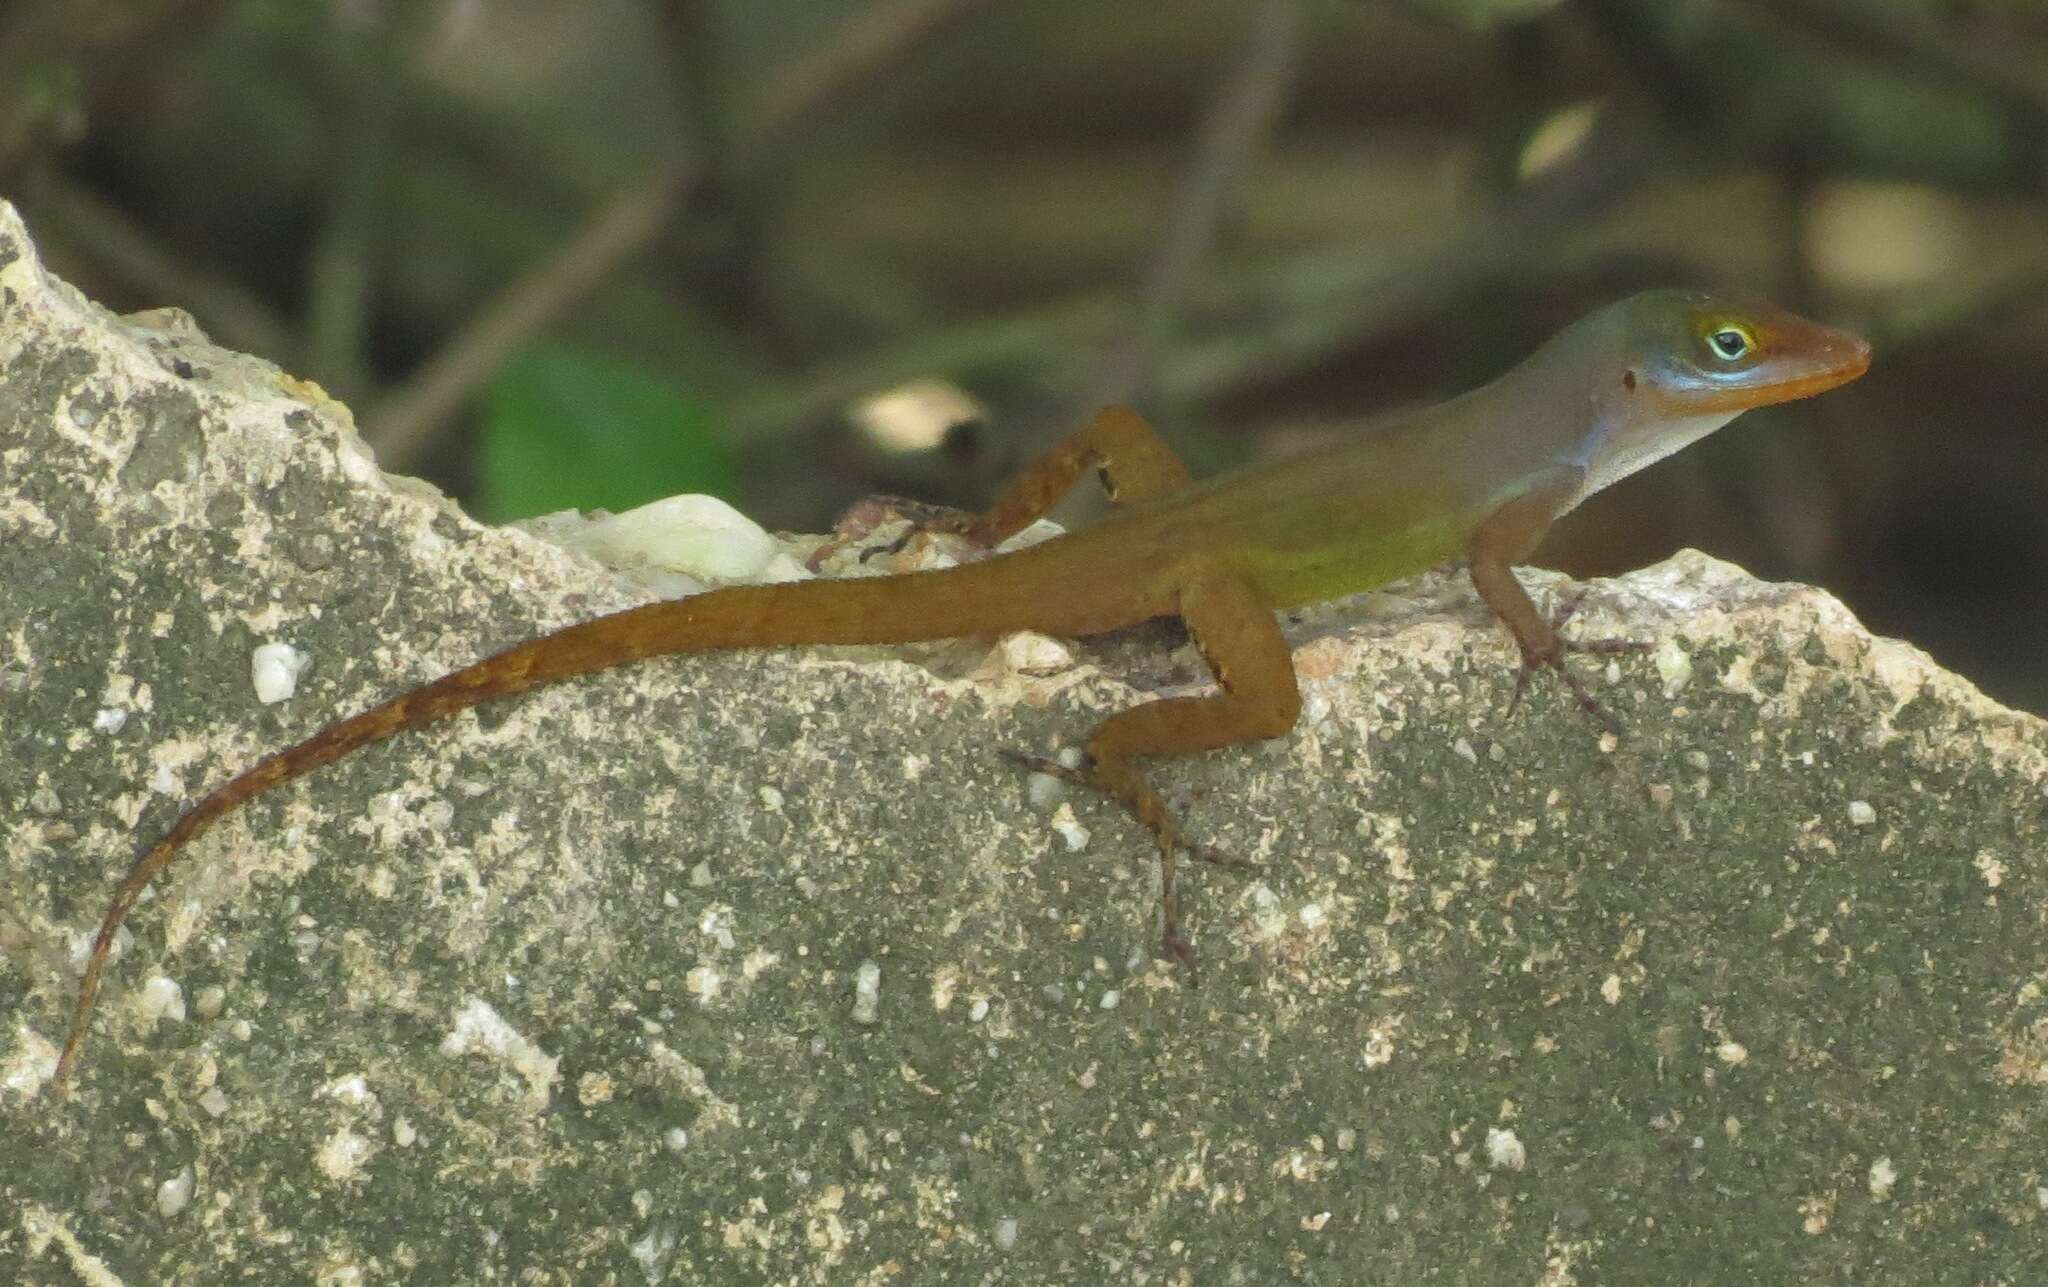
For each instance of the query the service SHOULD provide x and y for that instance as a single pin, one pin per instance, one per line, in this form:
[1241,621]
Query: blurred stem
[404,423]
[691,41]
[401,424]
[865,48]
[1237,128]
[1272,320]
[341,264]
[2016,75]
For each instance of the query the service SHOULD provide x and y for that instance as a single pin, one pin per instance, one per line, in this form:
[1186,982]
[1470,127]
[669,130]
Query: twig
[341,262]
[1275,318]
[400,424]
[1236,129]
[2016,75]
[864,47]
[1320,303]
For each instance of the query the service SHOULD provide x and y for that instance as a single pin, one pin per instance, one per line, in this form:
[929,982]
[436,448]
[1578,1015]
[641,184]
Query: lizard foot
[1554,660]
[1171,834]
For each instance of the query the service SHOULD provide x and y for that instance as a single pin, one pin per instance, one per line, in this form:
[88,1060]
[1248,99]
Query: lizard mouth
[1813,359]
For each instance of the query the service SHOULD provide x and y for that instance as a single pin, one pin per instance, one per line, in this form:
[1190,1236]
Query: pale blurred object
[916,416]
[1885,236]
[1557,139]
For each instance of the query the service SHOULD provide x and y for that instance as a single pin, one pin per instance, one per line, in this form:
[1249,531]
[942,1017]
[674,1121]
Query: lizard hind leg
[1257,699]
[1234,630]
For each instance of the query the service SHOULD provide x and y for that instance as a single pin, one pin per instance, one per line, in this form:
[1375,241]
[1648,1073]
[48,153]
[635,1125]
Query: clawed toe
[1560,648]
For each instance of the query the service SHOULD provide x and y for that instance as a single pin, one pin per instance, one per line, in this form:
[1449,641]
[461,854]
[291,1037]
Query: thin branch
[1321,303]
[2016,75]
[402,423]
[1237,128]
[1274,319]
[864,48]
[341,273]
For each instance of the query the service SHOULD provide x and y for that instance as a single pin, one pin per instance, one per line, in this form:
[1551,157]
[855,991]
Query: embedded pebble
[1504,1150]
[174,1193]
[162,998]
[1069,829]
[274,670]
[1674,666]
[867,992]
[1043,790]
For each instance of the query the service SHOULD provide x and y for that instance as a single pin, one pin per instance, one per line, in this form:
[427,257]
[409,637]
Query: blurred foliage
[566,428]
[553,253]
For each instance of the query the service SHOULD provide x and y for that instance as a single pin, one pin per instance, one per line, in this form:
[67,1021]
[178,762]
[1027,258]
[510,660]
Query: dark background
[593,253]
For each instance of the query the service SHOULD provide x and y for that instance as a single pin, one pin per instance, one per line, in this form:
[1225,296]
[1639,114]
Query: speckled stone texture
[766,967]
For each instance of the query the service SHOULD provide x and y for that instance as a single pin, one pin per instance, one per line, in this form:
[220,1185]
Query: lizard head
[1680,364]
[1697,354]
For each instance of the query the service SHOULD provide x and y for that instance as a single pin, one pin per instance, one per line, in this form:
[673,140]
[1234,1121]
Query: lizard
[1481,476]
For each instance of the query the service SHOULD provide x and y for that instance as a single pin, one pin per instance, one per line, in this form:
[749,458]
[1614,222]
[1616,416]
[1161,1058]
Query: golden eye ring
[1730,341]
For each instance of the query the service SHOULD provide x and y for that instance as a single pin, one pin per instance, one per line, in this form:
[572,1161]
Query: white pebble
[274,669]
[1674,666]
[1504,1149]
[174,1193]
[1861,814]
[1069,829]
[162,998]
[1883,1175]
[867,992]
[1043,790]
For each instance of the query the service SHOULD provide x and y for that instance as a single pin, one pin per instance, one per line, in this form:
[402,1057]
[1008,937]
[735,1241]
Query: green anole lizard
[1483,476]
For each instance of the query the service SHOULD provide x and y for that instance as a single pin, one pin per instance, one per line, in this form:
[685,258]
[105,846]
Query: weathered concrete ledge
[765,968]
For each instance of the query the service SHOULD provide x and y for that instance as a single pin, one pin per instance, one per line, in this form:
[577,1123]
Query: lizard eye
[1730,343]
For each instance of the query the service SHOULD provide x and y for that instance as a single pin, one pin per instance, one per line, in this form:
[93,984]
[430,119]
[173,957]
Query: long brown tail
[979,598]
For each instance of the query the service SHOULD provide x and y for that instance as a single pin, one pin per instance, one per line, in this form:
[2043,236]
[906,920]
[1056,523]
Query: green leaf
[567,427]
